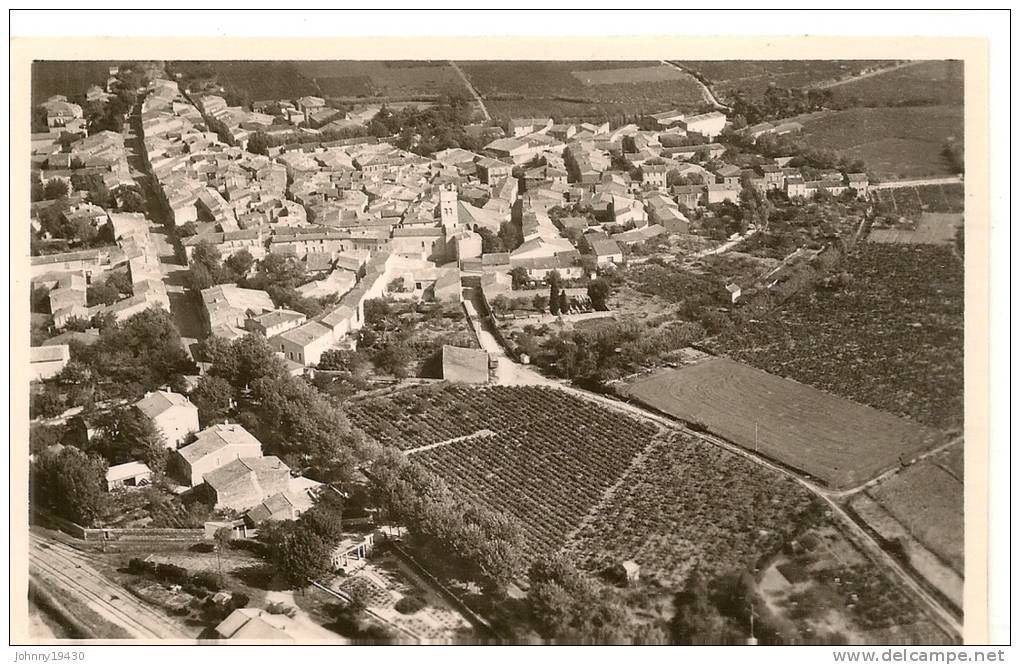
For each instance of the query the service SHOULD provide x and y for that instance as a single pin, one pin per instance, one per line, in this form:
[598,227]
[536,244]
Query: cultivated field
[580,89]
[932,82]
[372,78]
[840,443]
[900,142]
[260,79]
[729,76]
[891,339]
[934,228]
[547,459]
[910,202]
[689,503]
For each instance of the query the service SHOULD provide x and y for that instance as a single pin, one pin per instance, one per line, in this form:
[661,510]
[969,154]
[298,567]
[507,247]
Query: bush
[168,572]
[138,566]
[409,604]
[209,580]
[204,548]
[239,600]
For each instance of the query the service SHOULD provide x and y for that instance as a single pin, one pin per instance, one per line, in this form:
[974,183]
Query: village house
[720,193]
[173,414]
[795,187]
[490,170]
[655,175]
[708,124]
[45,362]
[250,624]
[213,447]
[523,126]
[728,174]
[606,252]
[129,474]
[305,343]
[272,323]
[246,481]
[230,305]
[688,196]
[859,183]
[773,176]
[461,365]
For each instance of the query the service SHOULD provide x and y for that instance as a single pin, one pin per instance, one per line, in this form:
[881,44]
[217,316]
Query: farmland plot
[933,228]
[900,142]
[548,460]
[931,82]
[892,339]
[689,503]
[840,443]
[729,76]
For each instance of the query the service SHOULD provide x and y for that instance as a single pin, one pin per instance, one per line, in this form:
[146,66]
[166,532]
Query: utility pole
[751,639]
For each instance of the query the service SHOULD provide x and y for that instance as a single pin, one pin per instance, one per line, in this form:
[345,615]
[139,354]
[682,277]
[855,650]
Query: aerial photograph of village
[419,352]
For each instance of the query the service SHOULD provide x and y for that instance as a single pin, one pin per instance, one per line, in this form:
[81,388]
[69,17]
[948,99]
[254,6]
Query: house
[173,414]
[523,126]
[728,174]
[305,343]
[665,119]
[734,291]
[286,505]
[720,193]
[606,251]
[631,571]
[246,481]
[131,474]
[250,624]
[859,183]
[231,305]
[272,323]
[213,447]
[708,124]
[490,170]
[462,365]
[795,187]
[688,196]
[654,175]
[45,362]
[773,176]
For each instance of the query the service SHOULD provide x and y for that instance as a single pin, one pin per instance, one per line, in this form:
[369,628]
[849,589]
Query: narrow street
[183,304]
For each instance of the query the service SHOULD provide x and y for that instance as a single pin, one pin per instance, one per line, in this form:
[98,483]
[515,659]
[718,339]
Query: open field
[927,499]
[547,461]
[932,82]
[575,89]
[689,503]
[840,443]
[611,75]
[729,76]
[900,142]
[934,228]
[373,78]
[891,339]
[58,77]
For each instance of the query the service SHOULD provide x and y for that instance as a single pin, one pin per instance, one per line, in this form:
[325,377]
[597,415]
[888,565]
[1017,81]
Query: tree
[598,293]
[342,360]
[491,243]
[564,305]
[554,293]
[519,277]
[240,262]
[300,555]
[187,229]
[697,621]
[258,144]
[222,536]
[55,189]
[540,302]
[213,396]
[126,434]
[325,517]
[131,200]
[69,482]
[101,293]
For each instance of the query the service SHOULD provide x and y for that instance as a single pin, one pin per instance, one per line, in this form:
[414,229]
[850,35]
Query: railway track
[72,572]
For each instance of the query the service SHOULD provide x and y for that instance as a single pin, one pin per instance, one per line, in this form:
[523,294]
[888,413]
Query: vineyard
[730,76]
[895,142]
[934,82]
[910,202]
[548,460]
[840,443]
[892,338]
[690,503]
[575,89]
[370,78]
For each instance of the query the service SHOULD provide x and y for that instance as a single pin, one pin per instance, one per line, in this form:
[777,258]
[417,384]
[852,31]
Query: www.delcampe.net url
[919,655]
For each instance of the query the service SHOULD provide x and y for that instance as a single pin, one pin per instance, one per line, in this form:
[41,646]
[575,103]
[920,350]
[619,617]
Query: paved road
[471,89]
[917,182]
[58,566]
